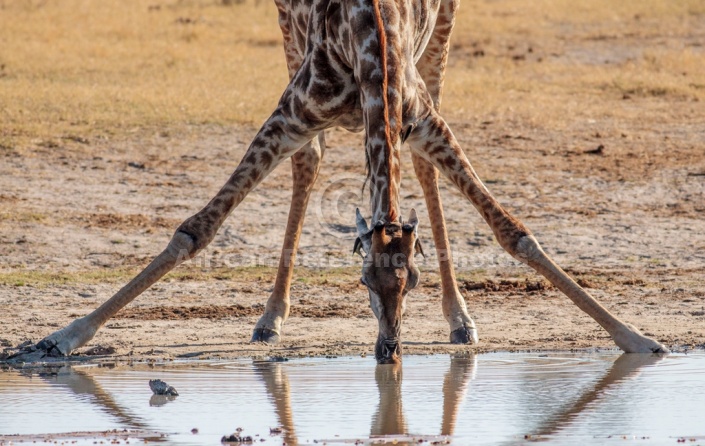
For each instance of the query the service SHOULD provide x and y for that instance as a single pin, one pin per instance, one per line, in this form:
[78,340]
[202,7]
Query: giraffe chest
[325,40]
[306,23]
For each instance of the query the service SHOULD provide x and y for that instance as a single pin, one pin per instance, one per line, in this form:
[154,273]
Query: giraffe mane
[391,211]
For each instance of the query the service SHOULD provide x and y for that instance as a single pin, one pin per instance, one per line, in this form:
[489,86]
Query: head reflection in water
[389,419]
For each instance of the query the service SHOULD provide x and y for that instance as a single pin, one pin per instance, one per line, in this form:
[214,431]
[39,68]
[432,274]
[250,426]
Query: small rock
[236,439]
[100,350]
[600,150]
[159,387]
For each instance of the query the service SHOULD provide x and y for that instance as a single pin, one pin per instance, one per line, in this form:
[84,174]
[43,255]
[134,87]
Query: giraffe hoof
[265,335]
[50,348]
[464,335]
[44,350]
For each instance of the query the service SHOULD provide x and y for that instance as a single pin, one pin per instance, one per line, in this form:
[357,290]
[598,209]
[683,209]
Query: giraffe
[375,66]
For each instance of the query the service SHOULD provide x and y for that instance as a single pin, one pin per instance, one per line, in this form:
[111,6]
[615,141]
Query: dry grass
[347,276]
[551,63]
[104,69]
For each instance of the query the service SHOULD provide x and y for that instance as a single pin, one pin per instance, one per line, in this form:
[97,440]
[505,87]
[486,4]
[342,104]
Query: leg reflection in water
[276,382]
[455,386]
[626,367]
[80,381]
[389,419]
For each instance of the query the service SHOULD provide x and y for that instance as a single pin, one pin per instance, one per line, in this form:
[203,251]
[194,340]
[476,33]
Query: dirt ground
[615,192]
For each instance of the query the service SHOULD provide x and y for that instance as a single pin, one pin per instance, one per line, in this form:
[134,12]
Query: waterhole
[483,399]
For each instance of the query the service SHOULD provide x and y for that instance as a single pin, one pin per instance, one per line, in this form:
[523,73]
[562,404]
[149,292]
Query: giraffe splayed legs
[377,66]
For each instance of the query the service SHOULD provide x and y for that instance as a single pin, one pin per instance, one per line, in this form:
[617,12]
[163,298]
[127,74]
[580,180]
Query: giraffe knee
[527,249]
[511,234]
[194,234]
[181,247]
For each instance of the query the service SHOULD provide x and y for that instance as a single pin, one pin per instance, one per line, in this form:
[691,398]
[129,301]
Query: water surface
[483,399]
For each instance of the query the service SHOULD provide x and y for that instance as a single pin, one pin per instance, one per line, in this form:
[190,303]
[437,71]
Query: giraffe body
[377,66]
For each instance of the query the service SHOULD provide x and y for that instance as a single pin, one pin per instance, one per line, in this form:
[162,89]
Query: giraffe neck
[384,186]
[383,133]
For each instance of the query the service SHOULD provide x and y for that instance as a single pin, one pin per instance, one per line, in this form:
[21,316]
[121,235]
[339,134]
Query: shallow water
[485,399]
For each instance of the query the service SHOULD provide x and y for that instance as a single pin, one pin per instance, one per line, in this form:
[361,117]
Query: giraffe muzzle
[388,351]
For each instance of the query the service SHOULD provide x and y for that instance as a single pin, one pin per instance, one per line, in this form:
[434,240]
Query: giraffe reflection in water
[626,367]
[276,381]
[388,421]
[80,382]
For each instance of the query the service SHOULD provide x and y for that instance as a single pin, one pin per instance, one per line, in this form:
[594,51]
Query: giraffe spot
[266,159]
[345,37]
[449,161]
[218,202]
[250,158]
[274,129]
[435,150]
[297,107]
[301,21]
[303,76]
[361,24]
[322,92]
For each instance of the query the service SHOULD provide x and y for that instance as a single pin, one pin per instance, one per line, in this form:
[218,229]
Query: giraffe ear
[418,249]
[360,223]
[412,225]
[357,247]
[413,219]
[364,235]
[363,244]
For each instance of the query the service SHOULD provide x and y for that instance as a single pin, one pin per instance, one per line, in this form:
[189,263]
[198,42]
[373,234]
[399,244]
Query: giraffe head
[389,273]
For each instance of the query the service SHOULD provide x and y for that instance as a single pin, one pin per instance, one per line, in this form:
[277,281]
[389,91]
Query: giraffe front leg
[81,331]
[462,327]
[434,141]
[305,165]
[282,135]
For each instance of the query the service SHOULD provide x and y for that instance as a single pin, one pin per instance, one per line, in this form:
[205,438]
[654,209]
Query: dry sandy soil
[610,177]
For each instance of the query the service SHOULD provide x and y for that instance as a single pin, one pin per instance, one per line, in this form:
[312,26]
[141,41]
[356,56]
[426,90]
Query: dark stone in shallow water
[159,387]
[235,439]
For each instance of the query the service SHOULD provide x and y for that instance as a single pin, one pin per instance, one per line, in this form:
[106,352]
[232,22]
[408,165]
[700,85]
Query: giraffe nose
[389,351]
